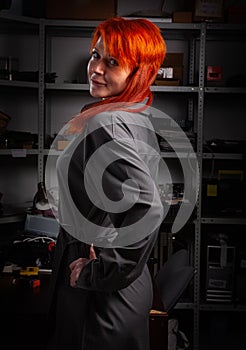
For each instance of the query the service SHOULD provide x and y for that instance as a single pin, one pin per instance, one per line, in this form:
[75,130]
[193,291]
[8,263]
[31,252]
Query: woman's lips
[97,83]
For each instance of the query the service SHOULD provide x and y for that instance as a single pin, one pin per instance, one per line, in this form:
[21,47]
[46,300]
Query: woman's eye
[113,62]
[95,54]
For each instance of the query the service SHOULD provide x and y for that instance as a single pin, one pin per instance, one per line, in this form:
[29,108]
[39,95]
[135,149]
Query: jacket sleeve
[127,192]
[116,268]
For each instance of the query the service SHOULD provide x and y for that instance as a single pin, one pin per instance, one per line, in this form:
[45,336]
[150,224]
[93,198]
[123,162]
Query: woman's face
[106,77]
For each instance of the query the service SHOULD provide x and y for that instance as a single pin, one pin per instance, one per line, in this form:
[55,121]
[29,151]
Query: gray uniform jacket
[110,307]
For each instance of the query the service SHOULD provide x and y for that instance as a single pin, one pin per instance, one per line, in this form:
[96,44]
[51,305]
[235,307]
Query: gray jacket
[109,197]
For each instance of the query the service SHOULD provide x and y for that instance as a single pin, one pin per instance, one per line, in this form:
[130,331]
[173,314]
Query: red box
[214,73]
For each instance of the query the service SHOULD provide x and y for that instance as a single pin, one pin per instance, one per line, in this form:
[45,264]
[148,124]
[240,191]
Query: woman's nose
[99,67]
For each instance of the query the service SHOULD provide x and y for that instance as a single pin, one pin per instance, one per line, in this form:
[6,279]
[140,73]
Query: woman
[109,207]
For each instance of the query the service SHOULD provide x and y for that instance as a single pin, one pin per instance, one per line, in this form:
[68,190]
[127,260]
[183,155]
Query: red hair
[134,43]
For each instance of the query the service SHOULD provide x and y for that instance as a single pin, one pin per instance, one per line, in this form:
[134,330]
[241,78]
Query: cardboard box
[209,9]
[173,63]
[173,59]
[175,80]
[167,82]
[62,144]
[182,17]
[84,9]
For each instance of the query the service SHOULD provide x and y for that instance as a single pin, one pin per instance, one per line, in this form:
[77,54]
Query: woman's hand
[77,266]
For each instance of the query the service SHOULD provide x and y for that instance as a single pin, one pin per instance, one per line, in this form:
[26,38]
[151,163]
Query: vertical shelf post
[197,247]
[41,100]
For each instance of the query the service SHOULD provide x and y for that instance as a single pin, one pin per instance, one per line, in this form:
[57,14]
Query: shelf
[19,84]
[179,26]
[93,23]
[171,155]
[161,88]
[225,90]
[226,27]
[52,152]
[67,86]
[236,156]
[81,24]
[15,153]
[182,306]
[224,221]
[20,19]
[85,87]
[178,155]
[12,218]
[222,307]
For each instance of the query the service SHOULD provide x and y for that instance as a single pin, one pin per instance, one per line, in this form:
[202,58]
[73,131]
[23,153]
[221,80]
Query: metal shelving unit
[193,33]
[222,33]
